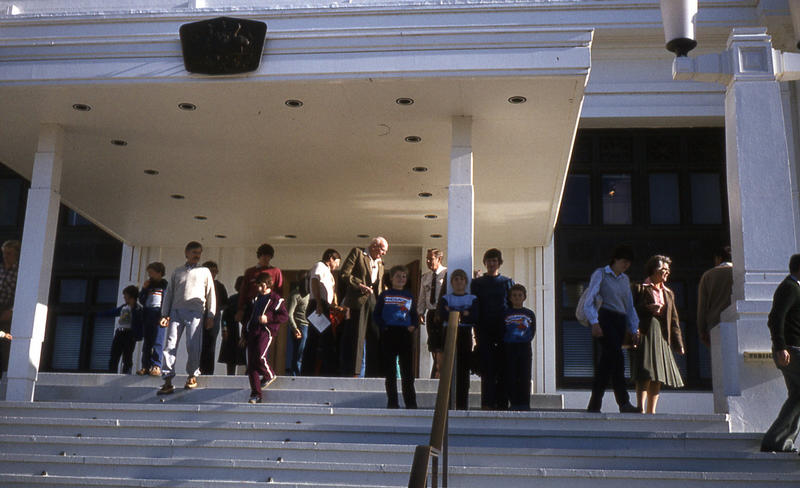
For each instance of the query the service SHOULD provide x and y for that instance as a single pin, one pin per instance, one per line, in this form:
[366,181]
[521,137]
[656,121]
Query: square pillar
[35,266]
[461,199]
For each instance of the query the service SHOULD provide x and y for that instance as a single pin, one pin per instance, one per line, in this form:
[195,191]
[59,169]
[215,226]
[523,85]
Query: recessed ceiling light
[363,236]
[436,236]
[290,236]
[119,142]
[413,139]
[200,217]
[81,107]
[151,172]
[424,194]
[187,106]
[516,100]
[293,103]
[431,216]
[419,169]
[177,196]
[404,101]
[220,236]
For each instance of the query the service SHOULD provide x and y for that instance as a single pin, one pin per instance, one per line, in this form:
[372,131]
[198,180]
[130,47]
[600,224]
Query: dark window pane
[67,345]
[704,360]
[577,354]
[10,191]
[571,293]
[664,201]
[72,291]
[706,198]
[576,206]
[679,289]
[616,199]
[106,291]
[74,219]
[101,342]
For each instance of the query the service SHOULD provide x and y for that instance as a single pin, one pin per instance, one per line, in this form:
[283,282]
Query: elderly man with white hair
[362,273]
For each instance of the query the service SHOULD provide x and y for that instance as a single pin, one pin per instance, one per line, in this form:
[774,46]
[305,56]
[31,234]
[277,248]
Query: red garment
[250,288]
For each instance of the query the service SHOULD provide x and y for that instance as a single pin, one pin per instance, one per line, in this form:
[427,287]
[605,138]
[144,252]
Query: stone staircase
[112,430]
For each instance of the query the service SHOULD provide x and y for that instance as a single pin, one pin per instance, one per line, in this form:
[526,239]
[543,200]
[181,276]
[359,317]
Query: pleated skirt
[654,360]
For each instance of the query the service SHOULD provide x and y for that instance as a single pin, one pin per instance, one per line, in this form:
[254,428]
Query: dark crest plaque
[222,46]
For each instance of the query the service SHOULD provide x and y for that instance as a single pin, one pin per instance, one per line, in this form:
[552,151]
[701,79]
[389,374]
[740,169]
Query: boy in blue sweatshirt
[396,315]
[459,300]
[520,327]
[150,298]
[128,331]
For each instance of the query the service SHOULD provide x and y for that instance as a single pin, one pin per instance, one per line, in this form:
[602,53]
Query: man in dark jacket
[784,328]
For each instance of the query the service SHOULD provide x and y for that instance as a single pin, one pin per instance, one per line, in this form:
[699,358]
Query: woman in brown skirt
[653,363]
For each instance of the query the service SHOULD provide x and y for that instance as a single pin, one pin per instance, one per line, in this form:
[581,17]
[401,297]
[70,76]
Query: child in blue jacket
[520,327]
[128,331]
[150,297]
[396,315]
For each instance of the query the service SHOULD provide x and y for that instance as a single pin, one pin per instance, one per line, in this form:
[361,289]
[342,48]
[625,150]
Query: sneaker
[155,371]
[166,388]
[254,399]
[142,372]
[266,382]
[191,383]
[628,408]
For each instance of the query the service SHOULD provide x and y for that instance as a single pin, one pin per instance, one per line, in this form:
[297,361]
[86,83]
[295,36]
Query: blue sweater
[396,308]
[459,303]
[520,325]
[492,293]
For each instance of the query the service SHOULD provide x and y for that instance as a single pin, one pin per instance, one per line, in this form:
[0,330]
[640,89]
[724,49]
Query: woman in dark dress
[653,363]
[230,352]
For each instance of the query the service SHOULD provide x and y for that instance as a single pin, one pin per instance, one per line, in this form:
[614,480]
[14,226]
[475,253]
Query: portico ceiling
[329,170]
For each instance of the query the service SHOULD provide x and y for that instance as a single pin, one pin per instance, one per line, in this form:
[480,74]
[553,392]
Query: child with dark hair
[128,331]
[396,316]
[458,300]
[268,313]
[520,327]
[150,298]
[492,292]
[230,352]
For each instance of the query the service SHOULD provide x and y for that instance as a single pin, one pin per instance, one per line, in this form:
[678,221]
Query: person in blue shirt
[396,316]
[150,298]
[460,301]
[610,321]
[128,331]
[520,327]
[492,292]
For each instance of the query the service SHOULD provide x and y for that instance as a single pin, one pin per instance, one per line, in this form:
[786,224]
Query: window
[577,349]
[72,291]
[74,219]
[106,291]
[616,193]
[10,201]
[101,342]
[67,350]
[664,199]
[576,207]
[706,198]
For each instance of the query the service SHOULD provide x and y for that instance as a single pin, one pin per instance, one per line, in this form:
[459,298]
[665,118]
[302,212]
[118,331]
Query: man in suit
[433,285]
[362,273]
[784,328]
[714,294]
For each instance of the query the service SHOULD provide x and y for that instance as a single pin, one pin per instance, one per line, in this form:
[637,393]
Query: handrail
[423,453]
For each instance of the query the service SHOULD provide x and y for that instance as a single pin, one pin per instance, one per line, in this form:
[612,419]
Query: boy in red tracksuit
[268,313]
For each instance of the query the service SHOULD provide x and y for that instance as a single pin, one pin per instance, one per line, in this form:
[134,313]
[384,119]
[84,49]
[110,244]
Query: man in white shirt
[189,296]
[433,285]
[320,357]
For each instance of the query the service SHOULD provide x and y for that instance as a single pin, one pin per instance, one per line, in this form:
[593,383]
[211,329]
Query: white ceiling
[334,168]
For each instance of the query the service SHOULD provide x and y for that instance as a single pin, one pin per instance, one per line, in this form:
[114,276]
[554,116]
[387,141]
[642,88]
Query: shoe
[254,399]
[592,410]
[155,371]
[142,372]
[266,382]
[628,408]
[191,383]
[792,450]
[166,389]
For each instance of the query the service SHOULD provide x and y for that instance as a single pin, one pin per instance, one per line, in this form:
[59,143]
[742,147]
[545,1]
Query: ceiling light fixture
[290,236]
[424,194]
[177,196]
[413,139]
[293,103]
[431,216]
[516,100]
[151,172]
[81,107]
[436,236]
[187,106]
[362,236]
[419,169]
[200,217]
[404,101]
[119,142]
[220,236]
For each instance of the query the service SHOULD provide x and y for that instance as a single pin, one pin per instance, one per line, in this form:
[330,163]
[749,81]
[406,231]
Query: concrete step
[369,474]
[580,421]
[675,460]
[340,392]
[378,433]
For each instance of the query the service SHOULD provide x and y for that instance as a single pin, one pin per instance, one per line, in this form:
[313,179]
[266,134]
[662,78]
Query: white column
[761,218]
[35,266]
[461,199]
[545,342]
